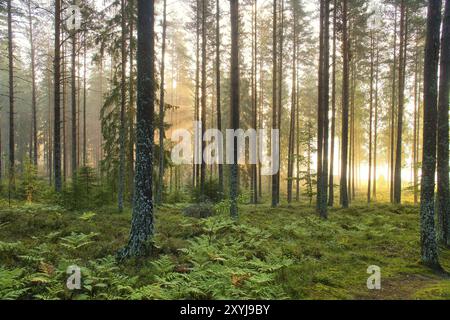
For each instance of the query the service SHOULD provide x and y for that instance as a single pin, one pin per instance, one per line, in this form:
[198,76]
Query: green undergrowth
[283,253]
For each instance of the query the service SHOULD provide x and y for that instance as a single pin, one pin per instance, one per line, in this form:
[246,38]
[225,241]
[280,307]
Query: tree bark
[345,107]
[159,198]
[401,102]
[11,102]
[274,94]
[203,97]
[372,49]
[393,106]
[219,97]
[142,228]
[427,222]
[235,101]
[33,86]
[333,112]
[123,98]
[443,194]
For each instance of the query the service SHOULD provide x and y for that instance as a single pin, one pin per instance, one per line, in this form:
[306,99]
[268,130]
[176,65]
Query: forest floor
[283,253]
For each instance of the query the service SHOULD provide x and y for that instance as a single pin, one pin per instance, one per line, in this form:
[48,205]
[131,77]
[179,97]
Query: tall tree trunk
[375,144]
[74,105]
[393,106]
[443,194]
[84,103]
[323,210]
[11,102]
[142,227]
[333,112]
[33,86]
[372,62]
[132,109]
[57,118]
[345,107]
[401,102]
[416,124]
[255,95]
[219,97]
[235,101]
[64,114]
[203,97]
[427,222]
[274,94]
[291,155]
[160,191]
[195,168]
[280,90]
[320,107]
[123,98]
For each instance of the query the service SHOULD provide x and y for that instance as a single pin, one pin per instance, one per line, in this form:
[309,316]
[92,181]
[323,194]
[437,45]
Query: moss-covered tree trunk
[142,219]
[443,198]
[428,234]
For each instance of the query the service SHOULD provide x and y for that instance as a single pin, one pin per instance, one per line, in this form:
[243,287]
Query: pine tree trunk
[320,106]
[203,97]
[393,107]
[142,228]
[443,195]
[416,124]
[195,168]
[401,102]
[372,49]
[84,104]
[74,105]
[375,144]
[427,222]
[123,98]
[219,96]
[33,87]
[255,95]
[280,91]
[333,112]
[132,110]
[345,108]
[57,118]
[274,95]
[235,101]
[326,108]
[159,198]
[293,112]
[11,102]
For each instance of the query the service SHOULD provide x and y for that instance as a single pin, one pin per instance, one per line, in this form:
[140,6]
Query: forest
[224,150]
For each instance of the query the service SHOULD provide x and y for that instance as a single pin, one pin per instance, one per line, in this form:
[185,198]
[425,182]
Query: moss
[298,255]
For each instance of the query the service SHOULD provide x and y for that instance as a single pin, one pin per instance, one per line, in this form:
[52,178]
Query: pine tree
[443,194]
[345,107]
[142,228]
[235,104]
[427,211]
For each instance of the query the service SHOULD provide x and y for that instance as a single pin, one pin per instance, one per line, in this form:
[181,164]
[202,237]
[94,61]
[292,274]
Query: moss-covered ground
[283,253]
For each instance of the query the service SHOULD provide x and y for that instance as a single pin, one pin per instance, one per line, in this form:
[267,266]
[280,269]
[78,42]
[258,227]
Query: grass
[283,253]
